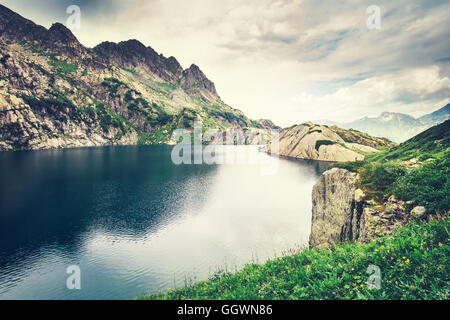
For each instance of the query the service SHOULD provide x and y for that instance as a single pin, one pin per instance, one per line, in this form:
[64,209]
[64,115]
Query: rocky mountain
[320,142]
[436,117]
[196,83]
[267,124]
[133,55]
[397,127]
[55,92]
[356,202]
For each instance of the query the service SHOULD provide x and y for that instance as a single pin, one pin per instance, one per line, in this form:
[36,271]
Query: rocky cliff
[342,212]
[320,142]
[56,93]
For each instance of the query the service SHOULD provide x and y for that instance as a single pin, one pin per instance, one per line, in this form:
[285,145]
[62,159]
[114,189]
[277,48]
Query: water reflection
[135,222]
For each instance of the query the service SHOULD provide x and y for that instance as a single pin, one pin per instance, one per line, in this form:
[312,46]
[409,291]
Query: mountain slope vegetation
[55,92]
[416,170]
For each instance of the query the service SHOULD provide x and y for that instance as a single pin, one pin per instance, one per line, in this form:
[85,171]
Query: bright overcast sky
[290,61]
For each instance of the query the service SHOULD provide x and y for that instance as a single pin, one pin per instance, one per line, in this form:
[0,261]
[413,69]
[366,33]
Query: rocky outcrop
[341,212]
[32,128]
[196,83]
[267,124]
[319,142]
[333,207]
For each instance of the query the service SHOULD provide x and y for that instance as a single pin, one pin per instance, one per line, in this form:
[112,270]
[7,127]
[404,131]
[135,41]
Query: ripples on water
[136,223]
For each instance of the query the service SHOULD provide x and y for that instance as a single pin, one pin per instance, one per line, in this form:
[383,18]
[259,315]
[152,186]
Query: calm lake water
[135,223]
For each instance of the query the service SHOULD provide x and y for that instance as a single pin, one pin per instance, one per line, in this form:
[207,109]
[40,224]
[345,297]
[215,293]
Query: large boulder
[342,212]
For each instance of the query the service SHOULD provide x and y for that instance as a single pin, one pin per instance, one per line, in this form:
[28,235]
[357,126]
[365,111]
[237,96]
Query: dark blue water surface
[135,223]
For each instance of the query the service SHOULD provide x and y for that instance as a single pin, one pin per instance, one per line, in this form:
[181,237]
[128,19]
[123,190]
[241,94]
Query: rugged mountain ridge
[436,117]
[319,142]
[55,92]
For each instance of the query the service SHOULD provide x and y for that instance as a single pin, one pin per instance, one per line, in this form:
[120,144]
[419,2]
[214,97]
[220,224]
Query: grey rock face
[196,83]
[135,55]
[267,124]
[342,213]
[333,212]
[317,142]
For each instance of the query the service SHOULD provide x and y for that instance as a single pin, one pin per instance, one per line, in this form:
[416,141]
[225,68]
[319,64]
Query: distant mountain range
[397,127]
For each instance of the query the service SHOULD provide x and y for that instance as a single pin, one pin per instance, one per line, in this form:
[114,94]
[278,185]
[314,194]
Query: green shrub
[63,66]
[89,111]
[165,118]
[57,107]
[128,95]
[129,70]
[113,85]
[323,143]
[105,122]
[133,107]
[431,143]
[351,166]
[377,179]
[427,185]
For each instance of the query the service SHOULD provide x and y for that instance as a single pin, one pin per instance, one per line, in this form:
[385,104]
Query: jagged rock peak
[134,44]
[57,39]
[59,32]
[134,54]
[173,65]
[195,71]
[194,79]
[267,124]
[127,47]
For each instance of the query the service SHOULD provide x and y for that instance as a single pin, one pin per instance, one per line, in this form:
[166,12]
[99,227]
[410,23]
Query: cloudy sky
[287,60]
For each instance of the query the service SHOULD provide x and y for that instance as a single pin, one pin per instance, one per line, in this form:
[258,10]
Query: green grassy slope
[413,264]
[431,143]
[417,170]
